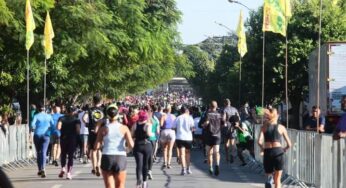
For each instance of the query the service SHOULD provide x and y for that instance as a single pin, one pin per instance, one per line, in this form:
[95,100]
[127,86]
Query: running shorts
[54,139]
[273,159]
[91,140]
[184,143]
[113,163]
[167,135]
[83,138]
[213,140]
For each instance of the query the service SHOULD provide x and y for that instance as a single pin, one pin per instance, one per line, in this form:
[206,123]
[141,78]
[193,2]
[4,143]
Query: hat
[142,116]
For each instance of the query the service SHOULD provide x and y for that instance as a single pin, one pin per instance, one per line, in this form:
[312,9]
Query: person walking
[114,136]
[153,139]
[69,126]
[184,125]
[141,131]
[273,158]
[167,136]
[213,125]
[55,137]
[42,124]
[83,135]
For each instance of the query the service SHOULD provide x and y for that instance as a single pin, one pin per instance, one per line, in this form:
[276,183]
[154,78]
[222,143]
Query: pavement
[231,175]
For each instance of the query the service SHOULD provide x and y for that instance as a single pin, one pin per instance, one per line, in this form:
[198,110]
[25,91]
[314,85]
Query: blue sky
[199,17]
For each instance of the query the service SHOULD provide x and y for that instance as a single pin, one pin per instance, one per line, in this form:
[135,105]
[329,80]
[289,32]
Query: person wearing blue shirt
[43,124]
[311,124]
[55,136]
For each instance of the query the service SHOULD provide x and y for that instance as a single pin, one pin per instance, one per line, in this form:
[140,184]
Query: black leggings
[153,146]
[68,146]
[142,153]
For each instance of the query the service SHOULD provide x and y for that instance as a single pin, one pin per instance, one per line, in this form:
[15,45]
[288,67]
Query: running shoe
[150,175]
[93,171]
[43,174]
[189,171]
[68,176]
[183,172]
[169,166]
[139,184]
[217,170]
[98,173]
[56,163]
[145,184]
[39,173]
[211,170]
[61,174]
[163,166]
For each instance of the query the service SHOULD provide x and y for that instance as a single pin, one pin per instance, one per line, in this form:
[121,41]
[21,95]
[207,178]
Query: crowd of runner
[104,134]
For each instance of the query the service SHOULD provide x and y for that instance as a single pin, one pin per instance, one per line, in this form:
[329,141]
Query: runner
[184,126]
[42,124]
[229,133]
[114,162]
[167,136]
[142,150]
[153,139]
[94,115]
[213,133]
[69,126]
[273,159]
[55,136]
[83,135]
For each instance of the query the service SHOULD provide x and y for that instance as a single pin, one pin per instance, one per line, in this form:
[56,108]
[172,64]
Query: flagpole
[286,69]
[239,89]
[27,87]
[263,61]
[318,67]
[45,82]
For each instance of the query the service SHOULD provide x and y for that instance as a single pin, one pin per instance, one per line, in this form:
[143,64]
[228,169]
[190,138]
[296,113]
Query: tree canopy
[114,47]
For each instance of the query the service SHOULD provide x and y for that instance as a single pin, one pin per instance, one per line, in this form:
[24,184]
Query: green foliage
[112,47]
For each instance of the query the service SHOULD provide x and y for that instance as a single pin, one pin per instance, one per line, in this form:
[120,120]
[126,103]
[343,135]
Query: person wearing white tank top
[113,136]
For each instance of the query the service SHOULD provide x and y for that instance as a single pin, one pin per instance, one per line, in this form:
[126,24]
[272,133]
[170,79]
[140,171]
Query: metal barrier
[314,159]
[14,148]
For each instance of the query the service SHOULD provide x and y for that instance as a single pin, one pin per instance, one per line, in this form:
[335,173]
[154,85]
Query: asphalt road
[231,175]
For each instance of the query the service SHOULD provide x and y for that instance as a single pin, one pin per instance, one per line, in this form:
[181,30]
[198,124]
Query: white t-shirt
[198,131]
[183,125]
[83,128]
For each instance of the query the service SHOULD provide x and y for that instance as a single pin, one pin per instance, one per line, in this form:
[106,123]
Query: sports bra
[272,134]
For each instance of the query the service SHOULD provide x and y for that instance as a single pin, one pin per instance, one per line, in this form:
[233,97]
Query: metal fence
[14,148]
[314,159]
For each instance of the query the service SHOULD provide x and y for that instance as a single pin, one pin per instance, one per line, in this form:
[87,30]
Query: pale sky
[199,17]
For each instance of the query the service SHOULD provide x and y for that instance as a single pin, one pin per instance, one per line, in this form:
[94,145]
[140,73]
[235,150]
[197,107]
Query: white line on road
[56,186]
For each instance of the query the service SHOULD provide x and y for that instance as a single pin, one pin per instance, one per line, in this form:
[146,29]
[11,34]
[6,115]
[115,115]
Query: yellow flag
[48,37]
[30,25]
[275,16]
[242,48]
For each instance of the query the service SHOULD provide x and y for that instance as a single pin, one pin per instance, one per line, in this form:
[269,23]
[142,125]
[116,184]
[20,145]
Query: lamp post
[237,2]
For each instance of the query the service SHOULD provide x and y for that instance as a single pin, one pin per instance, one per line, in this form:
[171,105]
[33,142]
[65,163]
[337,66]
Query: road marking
[57,186]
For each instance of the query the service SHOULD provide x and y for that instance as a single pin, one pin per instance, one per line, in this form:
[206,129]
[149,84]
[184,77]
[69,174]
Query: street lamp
[237,2]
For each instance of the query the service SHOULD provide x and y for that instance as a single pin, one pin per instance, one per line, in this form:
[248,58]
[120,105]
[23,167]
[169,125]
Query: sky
[199,17]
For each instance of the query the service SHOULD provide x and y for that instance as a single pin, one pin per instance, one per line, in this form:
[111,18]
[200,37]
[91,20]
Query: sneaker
[211,170]
[183,172]
[43,174]
[98,173]
[217,170]
[139,184]
[150,175]
[163,166]
[189,171]
[39,173]
[169,166]
[81,160]
[56,163]
[145,184]
[69,176]
[61,174]
[93,171]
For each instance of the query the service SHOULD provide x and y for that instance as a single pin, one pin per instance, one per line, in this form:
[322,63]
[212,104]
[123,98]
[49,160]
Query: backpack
[95,115]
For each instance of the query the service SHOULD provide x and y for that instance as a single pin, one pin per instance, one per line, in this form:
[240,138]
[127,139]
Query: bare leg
[108,179]
[170,149]
[120,179]
[187,157]
[182,157]
[277,178]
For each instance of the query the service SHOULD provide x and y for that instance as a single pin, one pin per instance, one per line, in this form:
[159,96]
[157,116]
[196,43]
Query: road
[231,175]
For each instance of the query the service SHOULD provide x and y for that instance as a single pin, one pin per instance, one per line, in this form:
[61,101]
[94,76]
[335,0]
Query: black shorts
[54,139]
[113,163]
[184,144]
[213,140]
[91,140]
[273,159]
